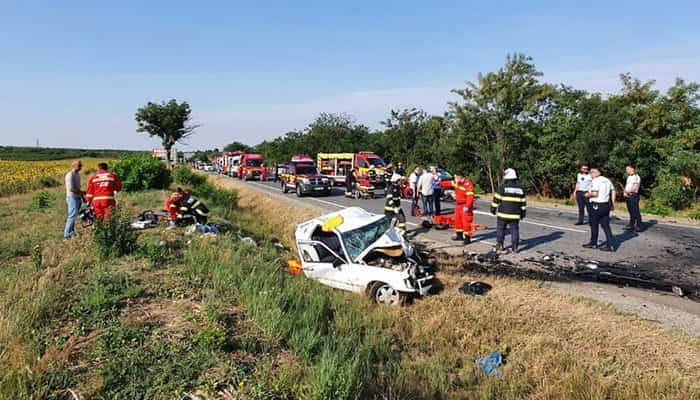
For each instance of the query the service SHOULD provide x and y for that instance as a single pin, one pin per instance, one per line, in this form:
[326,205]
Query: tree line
[512,118]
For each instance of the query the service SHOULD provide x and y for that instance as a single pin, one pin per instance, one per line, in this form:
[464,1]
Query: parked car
[355,250]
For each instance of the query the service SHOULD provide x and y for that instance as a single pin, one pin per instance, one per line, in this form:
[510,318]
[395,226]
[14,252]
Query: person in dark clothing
[192,211]
[349,181]
[392,207]
[583,184]
[437,192]
[400,170]
[509,205]
[602,196]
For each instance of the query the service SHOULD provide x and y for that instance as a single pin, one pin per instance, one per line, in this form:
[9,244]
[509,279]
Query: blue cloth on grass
[489,364]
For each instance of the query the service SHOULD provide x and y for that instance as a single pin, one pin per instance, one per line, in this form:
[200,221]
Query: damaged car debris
[559,266]
[358,251]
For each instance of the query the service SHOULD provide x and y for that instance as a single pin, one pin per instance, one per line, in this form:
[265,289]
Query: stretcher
[448,222]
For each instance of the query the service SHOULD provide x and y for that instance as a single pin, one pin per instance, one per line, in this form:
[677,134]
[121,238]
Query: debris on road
[475,288]
[562,267]
[489,364]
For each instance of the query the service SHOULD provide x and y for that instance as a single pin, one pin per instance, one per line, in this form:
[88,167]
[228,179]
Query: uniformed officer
[392,207]
[583,184]
[509,205]
[602,198]
[191,211]
[632,198]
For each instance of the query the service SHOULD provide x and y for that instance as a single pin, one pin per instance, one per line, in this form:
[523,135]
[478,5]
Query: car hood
[390,241]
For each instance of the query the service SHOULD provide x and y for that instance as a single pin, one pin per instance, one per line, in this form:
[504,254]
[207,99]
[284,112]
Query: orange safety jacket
[102,186]
[464,192]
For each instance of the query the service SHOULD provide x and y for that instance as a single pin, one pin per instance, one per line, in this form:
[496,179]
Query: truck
[301,176]
[250,166]
[335,166]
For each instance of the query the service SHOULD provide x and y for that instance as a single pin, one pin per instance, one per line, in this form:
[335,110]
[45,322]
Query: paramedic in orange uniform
[464,207]
[101,189]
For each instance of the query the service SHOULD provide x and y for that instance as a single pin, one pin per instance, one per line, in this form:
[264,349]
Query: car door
[325,271]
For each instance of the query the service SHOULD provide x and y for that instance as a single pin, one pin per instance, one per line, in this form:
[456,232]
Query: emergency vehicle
[250,166]
[336,165]
[301,176]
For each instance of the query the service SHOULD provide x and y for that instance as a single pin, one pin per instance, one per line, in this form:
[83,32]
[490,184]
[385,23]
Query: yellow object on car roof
[332,223]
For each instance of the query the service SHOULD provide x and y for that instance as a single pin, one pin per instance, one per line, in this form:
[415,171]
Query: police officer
[392,207]
[602,198]
[632,198]
[583,183]
[509,205]
[349,181]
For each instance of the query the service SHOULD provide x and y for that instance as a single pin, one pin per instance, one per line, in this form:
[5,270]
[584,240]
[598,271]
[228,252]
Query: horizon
[74,77]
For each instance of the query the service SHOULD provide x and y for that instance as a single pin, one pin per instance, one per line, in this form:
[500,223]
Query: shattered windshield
[358,240]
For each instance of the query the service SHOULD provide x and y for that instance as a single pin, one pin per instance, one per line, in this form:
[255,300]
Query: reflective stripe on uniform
[494,204]
[523,208]
[507,216]
[103,198]
[106,179]
[508,198]
[200,212]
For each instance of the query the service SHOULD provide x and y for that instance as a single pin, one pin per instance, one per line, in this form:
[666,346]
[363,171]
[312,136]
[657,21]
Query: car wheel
[383,293]
[299,192]
[285,189]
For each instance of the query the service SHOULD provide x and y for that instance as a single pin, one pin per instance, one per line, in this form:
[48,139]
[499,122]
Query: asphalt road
[672,247]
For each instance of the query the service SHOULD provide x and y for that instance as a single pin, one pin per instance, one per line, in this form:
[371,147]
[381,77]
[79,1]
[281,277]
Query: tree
[169,121]
[498,119]
[238,146]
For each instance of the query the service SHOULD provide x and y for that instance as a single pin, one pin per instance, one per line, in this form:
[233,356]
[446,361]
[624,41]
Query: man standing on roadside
[101,190]
[426,189]
[437,191]
[632,198]
[602,197]
[509,205]
[583,184]
[74,197]
[413,181]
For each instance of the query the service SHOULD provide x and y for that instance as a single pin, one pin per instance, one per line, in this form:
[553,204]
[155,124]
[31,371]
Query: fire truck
[301,176]
[336,165]
[250,166]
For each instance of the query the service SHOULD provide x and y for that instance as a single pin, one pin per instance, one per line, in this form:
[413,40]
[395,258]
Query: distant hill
[52,153]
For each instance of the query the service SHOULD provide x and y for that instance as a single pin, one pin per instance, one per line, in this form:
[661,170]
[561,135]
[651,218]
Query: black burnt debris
[563,267]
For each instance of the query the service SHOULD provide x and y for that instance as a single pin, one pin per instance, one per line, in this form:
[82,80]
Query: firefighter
[192,211]
[464,208]
[350,179]
[509,206]
[101,189]
[392,207]
[173,204]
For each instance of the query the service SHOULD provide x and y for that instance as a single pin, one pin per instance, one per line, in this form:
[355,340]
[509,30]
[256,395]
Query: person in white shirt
[413,181]
[74,198]
[632,198]
[602,198]
[583,183]
[426,190]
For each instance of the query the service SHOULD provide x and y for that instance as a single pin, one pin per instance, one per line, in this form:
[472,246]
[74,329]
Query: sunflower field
[22,176]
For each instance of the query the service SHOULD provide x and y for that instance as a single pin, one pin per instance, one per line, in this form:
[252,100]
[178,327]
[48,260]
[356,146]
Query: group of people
[596,196]
[102,188]
[101,192]
[425,184]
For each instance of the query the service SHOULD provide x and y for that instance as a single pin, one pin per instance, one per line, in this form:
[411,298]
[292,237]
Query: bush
[114,237]
[185,176]
[48,182]
[41,200]
[672,191]
[142,172]
[695,214]
[657,209]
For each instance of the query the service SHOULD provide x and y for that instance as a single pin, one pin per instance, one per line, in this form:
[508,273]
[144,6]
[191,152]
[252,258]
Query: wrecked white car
[358,251]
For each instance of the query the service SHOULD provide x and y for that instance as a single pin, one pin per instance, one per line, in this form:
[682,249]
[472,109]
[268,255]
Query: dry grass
[556,346]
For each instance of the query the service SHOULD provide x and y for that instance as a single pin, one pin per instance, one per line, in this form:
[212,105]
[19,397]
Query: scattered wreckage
[358,251]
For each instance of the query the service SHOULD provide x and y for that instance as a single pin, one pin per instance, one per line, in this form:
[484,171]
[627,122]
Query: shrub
[114,237]
[41,200]
[695,214]
[48,182]
[185,176]
[657,209]
[672,191]
[142,172]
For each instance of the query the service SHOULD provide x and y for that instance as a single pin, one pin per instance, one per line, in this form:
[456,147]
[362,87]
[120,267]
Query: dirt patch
[166,315]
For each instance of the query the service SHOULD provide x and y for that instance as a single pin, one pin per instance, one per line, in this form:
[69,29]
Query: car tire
[382,293]
[299,192]
[285,189]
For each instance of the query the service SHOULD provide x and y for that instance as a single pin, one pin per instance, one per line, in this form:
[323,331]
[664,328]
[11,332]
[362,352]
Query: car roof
[353,218]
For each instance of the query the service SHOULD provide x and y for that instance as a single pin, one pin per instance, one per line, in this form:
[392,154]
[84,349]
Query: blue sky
[73,73]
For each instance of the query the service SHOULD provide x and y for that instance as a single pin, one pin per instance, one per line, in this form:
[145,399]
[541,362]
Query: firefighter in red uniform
[101,188]
[173,204]
[464,207]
